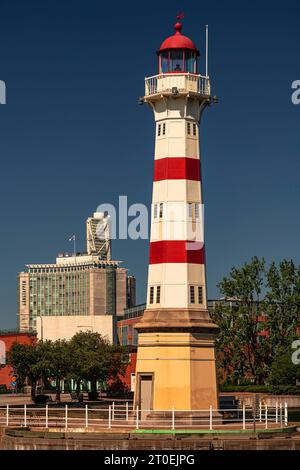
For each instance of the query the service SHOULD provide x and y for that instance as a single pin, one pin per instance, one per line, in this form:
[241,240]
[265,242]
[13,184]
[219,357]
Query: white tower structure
[176,356]
[98,236]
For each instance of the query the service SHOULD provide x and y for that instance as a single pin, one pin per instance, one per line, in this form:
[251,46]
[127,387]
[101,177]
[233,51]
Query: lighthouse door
[146,382]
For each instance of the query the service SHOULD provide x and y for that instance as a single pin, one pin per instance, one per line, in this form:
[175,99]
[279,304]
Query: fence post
[286,418]
[7,415]
[137,417]
[266,410]
[244,416]
[276,413]
[260,411]
[46,417]
[25,416]
[280,414]
[109,417]
[113,411]
[86,416]
[127,411]
[173,418]
[66,417]
[210,417]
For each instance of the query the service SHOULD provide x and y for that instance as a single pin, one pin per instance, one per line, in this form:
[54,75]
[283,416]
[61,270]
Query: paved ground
[21,399]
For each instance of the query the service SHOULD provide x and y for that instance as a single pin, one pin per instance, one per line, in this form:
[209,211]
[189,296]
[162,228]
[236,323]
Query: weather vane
[180,16]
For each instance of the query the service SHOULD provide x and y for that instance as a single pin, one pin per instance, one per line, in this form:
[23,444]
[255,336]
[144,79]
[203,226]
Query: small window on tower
[161,210]
[158,295]
[189,128]
[164,129]
[197,210]
[155,211]
[200,295]
[194,129]
[159,130]
[151,300]
[190,210]
[192,294]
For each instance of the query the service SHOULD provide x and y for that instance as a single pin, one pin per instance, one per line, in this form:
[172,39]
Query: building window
[197,210]
[200,295]
[192,294]
[194,129]
[158,295]
[155,211]
[124,335]
[161,210]
[151,295]
[164,129]
[159,130]
[189,128]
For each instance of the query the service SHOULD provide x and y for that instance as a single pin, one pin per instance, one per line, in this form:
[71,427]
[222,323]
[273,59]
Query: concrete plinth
[176,355]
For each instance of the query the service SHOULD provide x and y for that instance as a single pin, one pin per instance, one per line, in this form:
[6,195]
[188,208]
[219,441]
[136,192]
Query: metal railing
[184,82]
[127,417]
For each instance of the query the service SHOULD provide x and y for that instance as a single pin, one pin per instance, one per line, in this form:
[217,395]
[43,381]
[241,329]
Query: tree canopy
[86,357]
[258,319]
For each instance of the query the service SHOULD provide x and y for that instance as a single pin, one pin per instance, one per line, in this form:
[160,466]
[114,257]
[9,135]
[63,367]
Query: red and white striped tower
[176,359]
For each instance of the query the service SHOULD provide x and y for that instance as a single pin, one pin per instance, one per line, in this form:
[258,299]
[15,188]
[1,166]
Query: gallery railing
[181,82]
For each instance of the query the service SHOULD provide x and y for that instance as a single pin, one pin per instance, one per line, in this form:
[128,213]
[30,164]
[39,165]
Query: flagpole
[74,240]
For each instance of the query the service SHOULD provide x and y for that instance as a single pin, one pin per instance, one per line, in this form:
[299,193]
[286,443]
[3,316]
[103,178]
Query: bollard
[286,418]
[244,416]
[210,417]
[173,418]
[86,416]
[276,413]
[266,408]
[137,417]
[127,414]
[66,417]
[260,411]
[109,417]
[113,411]
[46,425]
[25,416]
[280,414]
[7,415]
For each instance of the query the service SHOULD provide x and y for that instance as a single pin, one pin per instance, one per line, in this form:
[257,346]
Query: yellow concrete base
[182,367]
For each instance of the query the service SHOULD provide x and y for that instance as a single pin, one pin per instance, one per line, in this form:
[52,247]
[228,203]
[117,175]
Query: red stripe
[177,169]
[176,251]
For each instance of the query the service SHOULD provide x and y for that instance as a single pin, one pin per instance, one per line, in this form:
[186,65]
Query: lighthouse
[176,348]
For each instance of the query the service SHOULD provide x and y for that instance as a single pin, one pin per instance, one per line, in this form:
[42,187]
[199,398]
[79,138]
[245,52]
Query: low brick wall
[293,401]
[25,440]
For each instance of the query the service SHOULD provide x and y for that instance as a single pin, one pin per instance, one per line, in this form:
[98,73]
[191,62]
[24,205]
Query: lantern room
[178,54]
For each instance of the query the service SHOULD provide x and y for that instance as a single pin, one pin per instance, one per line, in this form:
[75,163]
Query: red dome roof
[178,41]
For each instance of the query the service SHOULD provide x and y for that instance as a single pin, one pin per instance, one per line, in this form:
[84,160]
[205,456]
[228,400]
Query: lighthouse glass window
[164,62]
[190,62]
[176,61]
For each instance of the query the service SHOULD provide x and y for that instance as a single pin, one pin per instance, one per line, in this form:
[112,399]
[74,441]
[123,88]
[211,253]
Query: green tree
[23,358]
[239,353]
[282,305]
[94,359]
[282,371]
[58,362]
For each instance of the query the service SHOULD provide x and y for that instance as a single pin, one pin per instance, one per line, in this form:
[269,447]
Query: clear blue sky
[72,135]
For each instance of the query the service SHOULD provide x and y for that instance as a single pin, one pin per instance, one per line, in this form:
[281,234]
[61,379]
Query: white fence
[125,417]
